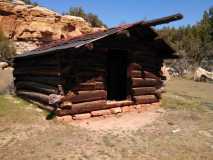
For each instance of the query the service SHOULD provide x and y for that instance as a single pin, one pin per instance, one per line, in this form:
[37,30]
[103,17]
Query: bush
[7,49]
[89,17]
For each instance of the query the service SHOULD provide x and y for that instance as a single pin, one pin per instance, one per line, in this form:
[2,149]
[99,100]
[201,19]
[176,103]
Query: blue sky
[115,12]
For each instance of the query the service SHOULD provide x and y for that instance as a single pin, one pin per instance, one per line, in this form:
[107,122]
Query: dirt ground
[181,130]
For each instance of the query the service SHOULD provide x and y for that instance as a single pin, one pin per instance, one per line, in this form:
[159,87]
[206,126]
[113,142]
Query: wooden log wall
[145,85]
[37,77]
[91,95]
[82,76]
[149,61]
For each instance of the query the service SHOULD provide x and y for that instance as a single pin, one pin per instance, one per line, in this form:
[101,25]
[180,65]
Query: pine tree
[194,43]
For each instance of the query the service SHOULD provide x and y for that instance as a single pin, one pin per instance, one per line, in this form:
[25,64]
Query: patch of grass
[188,95]
[14,109]
[174,101]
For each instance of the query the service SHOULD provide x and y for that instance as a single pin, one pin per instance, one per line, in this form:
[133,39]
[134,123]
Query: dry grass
[183,132]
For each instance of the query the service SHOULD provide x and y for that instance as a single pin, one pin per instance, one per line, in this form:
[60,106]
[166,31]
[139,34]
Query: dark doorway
[117,61]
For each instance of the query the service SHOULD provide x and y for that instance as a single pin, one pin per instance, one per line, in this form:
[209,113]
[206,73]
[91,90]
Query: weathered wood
[144,91]
[50,80]
[50,62]
[163,20]
[135,66]
[143,74]
[39,87]
[39,72]
[146,99]
[43,98]
[147,82]
[84,108]
[90,86]
[86,96]
[89,76]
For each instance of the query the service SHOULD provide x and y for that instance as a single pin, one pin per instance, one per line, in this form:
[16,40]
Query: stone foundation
[113,111]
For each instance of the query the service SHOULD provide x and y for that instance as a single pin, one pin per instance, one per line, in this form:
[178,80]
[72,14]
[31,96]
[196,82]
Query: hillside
[31,26]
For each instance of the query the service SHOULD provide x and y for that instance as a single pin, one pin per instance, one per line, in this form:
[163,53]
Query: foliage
[90,17]
[29,2]
[194,43]
[7,49]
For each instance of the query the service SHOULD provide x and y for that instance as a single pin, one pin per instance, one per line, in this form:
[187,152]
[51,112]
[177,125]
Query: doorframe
[126,54]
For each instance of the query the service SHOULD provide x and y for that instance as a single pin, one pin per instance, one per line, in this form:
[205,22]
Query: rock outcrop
[32,26]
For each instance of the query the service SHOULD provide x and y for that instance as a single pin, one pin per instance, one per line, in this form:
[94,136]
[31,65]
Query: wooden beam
[163,20]
[34,86]
[146,99]
[83,108]
[144,91]
[43,98]
[90,86]
[86,96]
[49,80]
[146,82]
[48,72]
[144,74]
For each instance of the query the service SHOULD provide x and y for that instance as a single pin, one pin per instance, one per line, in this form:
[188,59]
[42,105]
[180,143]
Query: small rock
[81,116]
[116,110]
[176,130]
[3,65]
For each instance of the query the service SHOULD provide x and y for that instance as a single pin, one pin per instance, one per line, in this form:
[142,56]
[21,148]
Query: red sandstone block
[81,116]
[125,109]
[101,112]
[132,108]
[138,106]
[66,119]
[142,109]
[115,110]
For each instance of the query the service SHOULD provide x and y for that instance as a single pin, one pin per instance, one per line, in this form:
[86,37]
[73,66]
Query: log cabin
[113,68]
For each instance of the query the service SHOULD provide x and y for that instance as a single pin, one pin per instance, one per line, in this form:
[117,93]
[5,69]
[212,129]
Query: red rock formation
[31,26]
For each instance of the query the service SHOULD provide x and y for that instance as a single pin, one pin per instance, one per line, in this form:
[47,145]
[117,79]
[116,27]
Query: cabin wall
[82,75]
[146,86]
[86,88]
[37,77]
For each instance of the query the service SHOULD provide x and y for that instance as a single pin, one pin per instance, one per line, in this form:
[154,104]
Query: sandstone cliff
[31,26]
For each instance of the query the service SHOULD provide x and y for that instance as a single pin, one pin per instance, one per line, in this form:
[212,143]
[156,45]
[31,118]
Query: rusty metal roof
[80,41]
